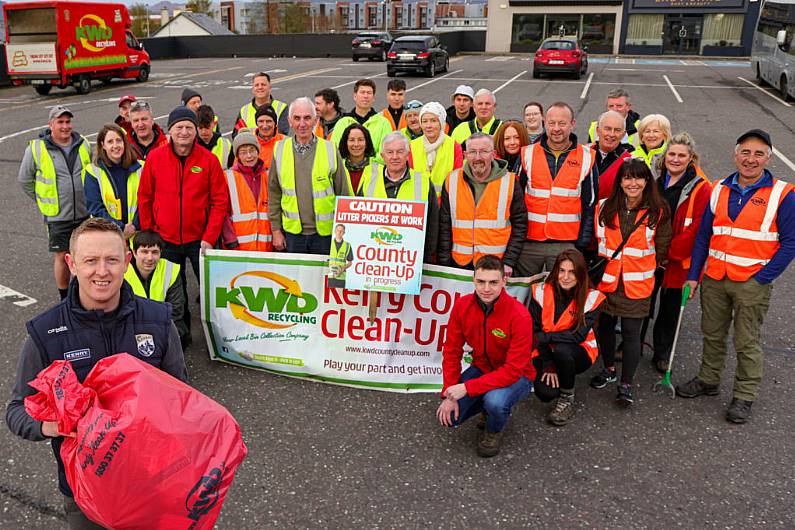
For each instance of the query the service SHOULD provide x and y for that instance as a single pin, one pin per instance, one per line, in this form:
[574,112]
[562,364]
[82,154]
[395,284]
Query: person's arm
[701,246]
[518,227]
[28,367]
[176,297]
[537,316]
[458,156]
[574,336]
[146,196]
[283,125]
[431,226]
[588,194]
[682,243]
[27,174]
[228,234]
[453,349]
[173,362]
[662,240]
[785,220]
[342,186]
[219,202]
[444,251]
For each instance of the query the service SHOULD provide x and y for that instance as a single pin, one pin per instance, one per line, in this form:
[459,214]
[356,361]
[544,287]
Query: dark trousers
[665,322]
[311,244]
[568,360]
[75,518]
[179,254]
[630,334]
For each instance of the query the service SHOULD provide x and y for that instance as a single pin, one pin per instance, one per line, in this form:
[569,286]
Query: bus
[773,52]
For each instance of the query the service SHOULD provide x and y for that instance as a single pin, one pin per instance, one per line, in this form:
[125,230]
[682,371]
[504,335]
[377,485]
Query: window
[722,29]
[598,32]
[398,17]
[528,32]
[564,45]
[423,17]
[645,30]
[372,14]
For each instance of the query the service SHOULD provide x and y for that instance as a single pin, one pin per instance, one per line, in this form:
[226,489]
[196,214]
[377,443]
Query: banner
[275,312]
[378,245]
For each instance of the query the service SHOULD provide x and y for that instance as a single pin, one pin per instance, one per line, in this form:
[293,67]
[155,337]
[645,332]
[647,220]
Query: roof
[208,24]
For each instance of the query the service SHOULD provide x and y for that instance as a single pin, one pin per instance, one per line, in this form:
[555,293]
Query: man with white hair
[485,121]
[618,101]
[609,150]
[395,180]
[306,175]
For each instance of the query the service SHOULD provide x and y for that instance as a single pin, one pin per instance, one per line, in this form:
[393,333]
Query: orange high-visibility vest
[636,262]
[319,132]
[250,215]
[739,248]
[544,295]
[395,127]
[479,229]
[689,194]
[554,206]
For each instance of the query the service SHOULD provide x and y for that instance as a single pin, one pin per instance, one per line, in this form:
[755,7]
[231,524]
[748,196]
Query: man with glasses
[482,210]
[146,135]
[746,239]
[559,192]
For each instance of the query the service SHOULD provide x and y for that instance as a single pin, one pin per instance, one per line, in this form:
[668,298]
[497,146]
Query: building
[187,24]
[457,16]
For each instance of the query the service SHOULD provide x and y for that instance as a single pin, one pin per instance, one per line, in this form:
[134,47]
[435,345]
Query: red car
[560,55]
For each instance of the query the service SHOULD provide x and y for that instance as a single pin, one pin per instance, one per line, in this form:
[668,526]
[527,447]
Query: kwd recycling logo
[94,35]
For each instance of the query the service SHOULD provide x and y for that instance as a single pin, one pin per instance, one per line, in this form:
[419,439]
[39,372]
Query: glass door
[682,34]
[563,26]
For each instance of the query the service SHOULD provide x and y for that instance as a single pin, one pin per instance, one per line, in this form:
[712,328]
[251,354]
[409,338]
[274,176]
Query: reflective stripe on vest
[416,188]
[45,184]
[689,193]
[544,296]
[479,229]
[636,262]
[339,257]
[554,206]
[221,151]
[248,112]
[323,168]
[163,277]
[442,164]
[740,248]
[249,214]
[109,195]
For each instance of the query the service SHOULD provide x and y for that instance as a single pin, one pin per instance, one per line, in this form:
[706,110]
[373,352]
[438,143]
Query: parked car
[417,53]
[372,45]
[560,55]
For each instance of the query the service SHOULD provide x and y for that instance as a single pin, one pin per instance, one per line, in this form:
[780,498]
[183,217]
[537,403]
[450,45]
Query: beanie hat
[434,107]
[179,114]
[189,94]
[244,137]
[266,110]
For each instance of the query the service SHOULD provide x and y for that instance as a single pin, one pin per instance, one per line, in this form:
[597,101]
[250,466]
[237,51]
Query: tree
[142,25]
[200,6]
[257,23]
[295,18]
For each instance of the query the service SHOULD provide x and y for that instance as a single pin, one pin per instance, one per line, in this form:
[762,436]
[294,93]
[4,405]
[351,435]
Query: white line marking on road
[352,82]
[20,133]
[303,74]
[671,86]
[765,91]
[432,80]
[157,118]
[500,59]
[15,298]
[643,70]
[508,82]
[683,62]
[208,72]
[784,159]
[587,86]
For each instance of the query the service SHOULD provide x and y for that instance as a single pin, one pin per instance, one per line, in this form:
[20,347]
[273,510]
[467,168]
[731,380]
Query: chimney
[163,16]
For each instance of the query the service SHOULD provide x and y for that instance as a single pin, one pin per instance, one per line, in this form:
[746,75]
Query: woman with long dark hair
[636,213]
[564,310]
[356,150]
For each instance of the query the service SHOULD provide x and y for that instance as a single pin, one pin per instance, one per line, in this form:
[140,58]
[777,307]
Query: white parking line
[587,86]
[432,80]
[352,82]
[508,82]
[784,159]
[643,70]
[15,298]
[20,133]
[671,86]
[765,91]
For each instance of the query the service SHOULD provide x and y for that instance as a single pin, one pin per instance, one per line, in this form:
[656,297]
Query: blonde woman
[654,131]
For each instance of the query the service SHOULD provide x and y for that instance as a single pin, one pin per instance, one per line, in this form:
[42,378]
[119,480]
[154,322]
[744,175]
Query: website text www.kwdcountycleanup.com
[387,351]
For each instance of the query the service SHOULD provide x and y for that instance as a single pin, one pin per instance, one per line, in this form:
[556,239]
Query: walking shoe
[739,410]
[661,365]
[624,396]
[563,411]
[480,423]
[602,378]
[490,444]
[696,387]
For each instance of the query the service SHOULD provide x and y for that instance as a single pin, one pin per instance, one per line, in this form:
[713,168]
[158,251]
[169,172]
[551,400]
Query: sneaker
[739,411]
[490,444]
[603,378]
[480,423]
[661,365]
[696,387]
[563,411]
[624,396]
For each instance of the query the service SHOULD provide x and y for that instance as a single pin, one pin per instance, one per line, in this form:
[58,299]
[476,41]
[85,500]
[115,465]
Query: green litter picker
[665,384]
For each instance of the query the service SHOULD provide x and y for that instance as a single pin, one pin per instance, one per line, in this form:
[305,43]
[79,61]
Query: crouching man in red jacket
[500,331]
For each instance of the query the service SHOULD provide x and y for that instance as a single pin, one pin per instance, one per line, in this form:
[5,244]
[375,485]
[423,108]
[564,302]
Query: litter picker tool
[664,384]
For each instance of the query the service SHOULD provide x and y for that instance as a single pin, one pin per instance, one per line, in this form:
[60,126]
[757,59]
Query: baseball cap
[126,99]
[58,111]
[464,90]
[756,133]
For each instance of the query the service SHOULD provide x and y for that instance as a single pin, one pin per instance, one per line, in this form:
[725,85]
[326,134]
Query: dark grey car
[417,53]
[371,45]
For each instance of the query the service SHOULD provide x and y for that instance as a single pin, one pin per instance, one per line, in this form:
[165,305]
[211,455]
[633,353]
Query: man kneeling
[499,329]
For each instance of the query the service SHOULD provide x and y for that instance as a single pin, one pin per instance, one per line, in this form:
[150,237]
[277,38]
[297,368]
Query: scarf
[430,150]
[356,166]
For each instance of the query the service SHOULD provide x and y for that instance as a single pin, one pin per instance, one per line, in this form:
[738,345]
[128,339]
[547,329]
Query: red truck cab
[64,43]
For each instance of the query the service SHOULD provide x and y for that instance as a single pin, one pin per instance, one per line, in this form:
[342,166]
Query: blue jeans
[311,244]
[497,403]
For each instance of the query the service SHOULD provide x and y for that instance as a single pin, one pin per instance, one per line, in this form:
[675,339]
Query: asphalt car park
[323,456]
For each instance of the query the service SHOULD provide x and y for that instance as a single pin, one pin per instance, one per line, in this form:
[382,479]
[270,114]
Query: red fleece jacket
[684,239]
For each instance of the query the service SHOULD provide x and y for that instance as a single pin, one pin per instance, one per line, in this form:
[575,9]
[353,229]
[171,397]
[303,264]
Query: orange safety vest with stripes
[544,295]
[636,262]
[482,228]
[395,127]
[554,206]
[689,193]
[740,248]
[250,214]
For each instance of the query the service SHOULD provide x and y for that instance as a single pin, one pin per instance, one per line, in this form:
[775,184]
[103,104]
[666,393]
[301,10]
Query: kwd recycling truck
[71,43]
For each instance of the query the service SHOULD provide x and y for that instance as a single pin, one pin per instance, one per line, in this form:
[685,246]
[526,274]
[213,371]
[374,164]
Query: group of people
[619,225]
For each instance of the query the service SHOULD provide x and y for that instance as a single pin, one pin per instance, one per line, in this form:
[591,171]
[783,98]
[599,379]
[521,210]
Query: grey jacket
[68,180]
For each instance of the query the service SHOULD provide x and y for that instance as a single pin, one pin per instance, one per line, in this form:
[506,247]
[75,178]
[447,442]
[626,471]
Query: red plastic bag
[150,452]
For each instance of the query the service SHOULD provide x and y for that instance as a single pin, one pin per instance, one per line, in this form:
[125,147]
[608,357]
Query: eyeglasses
[413,104]
[479,153]
[140,105]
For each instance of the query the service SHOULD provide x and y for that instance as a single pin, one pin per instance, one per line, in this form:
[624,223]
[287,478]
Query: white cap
[464,90]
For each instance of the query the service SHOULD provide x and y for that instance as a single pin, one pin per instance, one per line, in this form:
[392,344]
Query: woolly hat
[434,107]
[189,94]
[179,114]
[244,137]
[266,110]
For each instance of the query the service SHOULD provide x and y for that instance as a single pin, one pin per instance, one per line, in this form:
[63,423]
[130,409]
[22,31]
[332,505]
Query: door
[563,26]
[682,34]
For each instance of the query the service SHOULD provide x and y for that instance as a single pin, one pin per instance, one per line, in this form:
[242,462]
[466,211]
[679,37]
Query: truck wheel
[143,74]
[43,90]
[83,84]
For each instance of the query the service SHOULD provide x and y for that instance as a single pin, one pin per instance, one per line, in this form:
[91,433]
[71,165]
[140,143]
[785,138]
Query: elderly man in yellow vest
[305,177]
[52,173]
[482,210]
[156,278]
[396,180]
